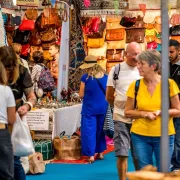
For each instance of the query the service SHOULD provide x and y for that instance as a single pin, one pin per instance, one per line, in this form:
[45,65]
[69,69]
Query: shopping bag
[21,137]
[108,127]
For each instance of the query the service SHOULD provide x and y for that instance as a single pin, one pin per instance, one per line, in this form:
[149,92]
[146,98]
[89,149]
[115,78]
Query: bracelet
[30,105]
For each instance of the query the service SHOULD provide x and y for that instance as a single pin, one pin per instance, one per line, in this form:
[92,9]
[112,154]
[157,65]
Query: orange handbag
[115,34]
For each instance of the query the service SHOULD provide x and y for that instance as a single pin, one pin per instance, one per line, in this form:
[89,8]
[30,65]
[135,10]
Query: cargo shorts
[122,138]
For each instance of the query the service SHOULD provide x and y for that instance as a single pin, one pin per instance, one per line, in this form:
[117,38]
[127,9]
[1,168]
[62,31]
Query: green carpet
[99,170]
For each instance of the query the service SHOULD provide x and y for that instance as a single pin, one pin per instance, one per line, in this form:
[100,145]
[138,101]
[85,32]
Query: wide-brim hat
[89,61]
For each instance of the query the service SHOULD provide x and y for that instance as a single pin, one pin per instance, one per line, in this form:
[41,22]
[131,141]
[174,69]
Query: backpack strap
[116,72]
[136,91]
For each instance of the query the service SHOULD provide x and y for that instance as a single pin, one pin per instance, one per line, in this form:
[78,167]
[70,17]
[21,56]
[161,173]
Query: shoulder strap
[136,91]
[100,85]
[116,72]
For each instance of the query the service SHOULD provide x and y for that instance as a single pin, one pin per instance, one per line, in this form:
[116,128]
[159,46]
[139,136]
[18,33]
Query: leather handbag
[149,25]
[25,49]
[139,22]
[67,148]
[47,55]
[98,51]
[35,38]
[95,43]
[152,45]
[116,44]
[128,21]
[113,23]
[175,30]
[115,55]
[151,32]
[135,35]
[31,13]
[48,36]
[115,34]
[26,25]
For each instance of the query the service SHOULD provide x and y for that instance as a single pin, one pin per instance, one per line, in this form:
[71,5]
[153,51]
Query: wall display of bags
[115,55]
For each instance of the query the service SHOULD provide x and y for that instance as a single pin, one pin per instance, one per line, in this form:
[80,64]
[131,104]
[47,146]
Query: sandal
[100,156]
[91,159]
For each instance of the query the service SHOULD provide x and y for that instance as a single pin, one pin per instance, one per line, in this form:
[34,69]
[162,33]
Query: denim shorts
[122,139]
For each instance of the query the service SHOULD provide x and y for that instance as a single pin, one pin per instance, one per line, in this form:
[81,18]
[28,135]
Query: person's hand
[158,112]
[151,115]
[23,109]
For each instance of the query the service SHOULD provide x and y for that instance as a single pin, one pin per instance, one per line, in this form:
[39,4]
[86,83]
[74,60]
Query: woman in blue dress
[94,108]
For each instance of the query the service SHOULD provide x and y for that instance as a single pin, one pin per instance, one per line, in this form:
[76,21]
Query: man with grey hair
[116,96]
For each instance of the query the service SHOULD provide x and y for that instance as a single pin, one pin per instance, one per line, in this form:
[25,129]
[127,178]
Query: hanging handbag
[35,38]
[26,25]
[108,127]
[116,44]
[115,55]
[102,62]
[98,51]
[115,34]
[135,35]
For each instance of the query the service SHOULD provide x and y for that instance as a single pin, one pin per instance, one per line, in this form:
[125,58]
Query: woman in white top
[7,116]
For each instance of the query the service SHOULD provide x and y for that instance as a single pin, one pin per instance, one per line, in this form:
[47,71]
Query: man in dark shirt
[174,58]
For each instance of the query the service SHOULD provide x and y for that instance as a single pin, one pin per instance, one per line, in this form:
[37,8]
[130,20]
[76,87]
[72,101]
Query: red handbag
[152,45]
[26,24]
[25,49]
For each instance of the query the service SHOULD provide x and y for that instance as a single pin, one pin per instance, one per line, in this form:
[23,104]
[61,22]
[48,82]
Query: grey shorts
[122,138]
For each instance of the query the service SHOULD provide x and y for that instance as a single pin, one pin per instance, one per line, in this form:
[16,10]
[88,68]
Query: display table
[67,119]
[48,123]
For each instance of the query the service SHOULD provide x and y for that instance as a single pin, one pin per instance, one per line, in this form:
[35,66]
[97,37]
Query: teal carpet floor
[99,170]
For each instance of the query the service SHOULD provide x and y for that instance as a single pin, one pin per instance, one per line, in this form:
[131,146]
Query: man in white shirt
[116,96]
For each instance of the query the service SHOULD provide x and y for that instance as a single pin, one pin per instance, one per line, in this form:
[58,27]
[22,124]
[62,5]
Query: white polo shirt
[127,75]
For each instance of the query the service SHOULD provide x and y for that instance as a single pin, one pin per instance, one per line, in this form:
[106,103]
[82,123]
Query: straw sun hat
[89,61]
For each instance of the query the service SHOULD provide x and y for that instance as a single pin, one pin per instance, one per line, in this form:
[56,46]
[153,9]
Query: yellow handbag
[102,63]
[98,51]
[116,44]
[95,43]
[151,32]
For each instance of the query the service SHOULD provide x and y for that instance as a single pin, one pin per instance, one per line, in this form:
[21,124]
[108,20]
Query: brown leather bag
[135,35]
[31,13]
[46,45]
[35,38]
[115,34]
[48,36]
[115,55]
[67,148]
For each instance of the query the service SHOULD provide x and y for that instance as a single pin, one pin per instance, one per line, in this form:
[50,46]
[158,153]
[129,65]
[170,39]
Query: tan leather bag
[135,34]
[116,44]
[113,23]
[67,148]
[115,55]
[95,43]
[36,164]
[115,34]
[98,51]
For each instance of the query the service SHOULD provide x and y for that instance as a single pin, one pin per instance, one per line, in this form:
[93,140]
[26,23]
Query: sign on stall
[27,3]
[38,120]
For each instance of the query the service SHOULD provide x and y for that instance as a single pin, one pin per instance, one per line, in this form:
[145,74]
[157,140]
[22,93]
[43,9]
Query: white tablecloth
[67,119]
